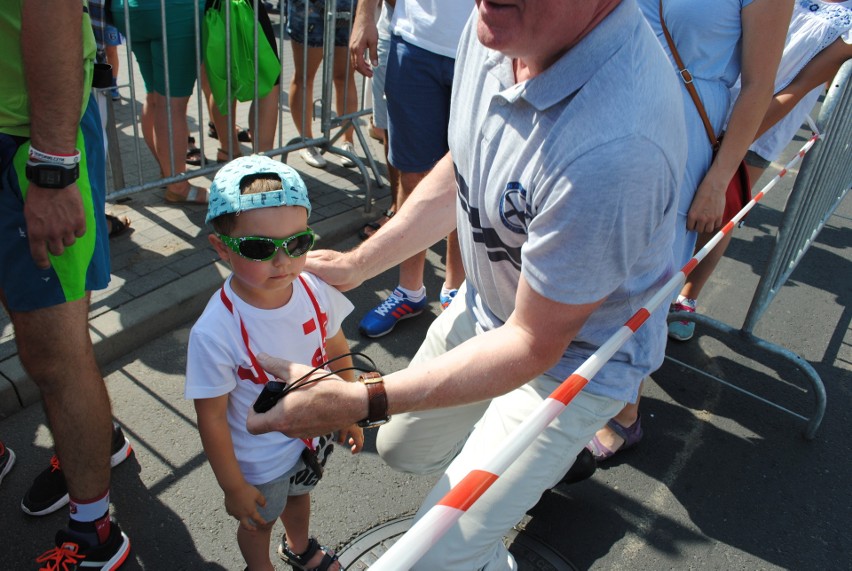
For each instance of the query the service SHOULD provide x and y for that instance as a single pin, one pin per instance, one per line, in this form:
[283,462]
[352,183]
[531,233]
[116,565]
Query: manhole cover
[529,552]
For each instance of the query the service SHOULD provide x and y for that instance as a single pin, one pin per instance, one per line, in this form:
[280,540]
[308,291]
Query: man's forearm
[427,216]
[52,46]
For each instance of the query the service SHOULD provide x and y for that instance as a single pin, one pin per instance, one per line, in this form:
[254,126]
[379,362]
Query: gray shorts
[297,481]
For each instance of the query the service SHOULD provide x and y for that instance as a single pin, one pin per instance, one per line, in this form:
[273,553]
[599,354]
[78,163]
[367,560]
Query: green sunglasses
[261,249]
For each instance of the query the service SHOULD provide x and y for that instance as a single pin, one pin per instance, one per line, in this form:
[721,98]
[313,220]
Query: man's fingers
[278,367]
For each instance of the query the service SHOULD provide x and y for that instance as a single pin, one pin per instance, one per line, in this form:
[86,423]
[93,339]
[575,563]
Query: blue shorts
[82,267]
[418,86]
[312,34]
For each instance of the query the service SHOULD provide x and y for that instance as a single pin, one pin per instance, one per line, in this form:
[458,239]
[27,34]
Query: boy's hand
[353,436]
[242,502]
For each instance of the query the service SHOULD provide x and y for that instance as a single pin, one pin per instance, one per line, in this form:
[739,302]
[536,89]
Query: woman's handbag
[243,23]
[739,189]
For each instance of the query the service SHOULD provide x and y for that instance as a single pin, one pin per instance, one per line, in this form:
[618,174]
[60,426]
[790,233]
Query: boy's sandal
[371,228]
[300,562]
[630,434]
[196,195]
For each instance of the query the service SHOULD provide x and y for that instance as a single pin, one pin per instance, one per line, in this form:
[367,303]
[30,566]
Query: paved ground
[721,481]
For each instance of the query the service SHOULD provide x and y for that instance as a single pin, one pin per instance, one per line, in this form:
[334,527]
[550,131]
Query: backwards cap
[225,196]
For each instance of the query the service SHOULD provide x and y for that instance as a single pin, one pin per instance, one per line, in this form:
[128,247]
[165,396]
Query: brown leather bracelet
[377,400]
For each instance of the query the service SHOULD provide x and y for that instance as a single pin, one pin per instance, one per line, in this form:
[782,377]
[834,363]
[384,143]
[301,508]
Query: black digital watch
[48,175]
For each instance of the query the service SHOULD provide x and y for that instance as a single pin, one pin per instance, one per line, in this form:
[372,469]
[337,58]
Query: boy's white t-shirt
[218,363]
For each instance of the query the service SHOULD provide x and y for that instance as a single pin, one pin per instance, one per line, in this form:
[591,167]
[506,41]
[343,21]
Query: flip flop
[117,226]
[196,195]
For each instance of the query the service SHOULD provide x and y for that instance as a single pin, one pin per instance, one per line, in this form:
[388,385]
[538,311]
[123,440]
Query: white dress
[815,26]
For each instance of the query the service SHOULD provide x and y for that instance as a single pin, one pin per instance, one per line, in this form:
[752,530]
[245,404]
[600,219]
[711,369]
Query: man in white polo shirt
[567,146]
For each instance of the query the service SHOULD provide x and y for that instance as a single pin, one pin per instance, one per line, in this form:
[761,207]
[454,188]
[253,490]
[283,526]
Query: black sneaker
[70,555]
[7,460]
[49,491]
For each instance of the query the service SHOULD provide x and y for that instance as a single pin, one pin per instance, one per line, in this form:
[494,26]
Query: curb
[119,331]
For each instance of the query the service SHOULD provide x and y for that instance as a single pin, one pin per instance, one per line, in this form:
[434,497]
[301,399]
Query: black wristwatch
[377,400]
[48,175]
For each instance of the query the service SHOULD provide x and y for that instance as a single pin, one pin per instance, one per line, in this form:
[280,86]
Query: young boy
[259,211]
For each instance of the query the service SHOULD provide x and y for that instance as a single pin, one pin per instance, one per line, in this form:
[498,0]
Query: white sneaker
[346,161]
[312,156]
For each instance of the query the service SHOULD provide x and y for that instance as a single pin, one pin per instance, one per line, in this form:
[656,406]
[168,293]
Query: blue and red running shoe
[381,320]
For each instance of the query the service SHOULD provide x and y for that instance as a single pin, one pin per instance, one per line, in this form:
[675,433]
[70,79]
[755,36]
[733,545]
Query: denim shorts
[380,106]
[312,34]
[418,86]
[82,267]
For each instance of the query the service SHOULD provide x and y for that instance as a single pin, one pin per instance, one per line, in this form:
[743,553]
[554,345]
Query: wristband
[65,160]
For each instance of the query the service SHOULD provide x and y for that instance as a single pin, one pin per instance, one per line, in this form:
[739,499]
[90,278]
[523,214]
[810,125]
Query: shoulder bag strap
[687,81]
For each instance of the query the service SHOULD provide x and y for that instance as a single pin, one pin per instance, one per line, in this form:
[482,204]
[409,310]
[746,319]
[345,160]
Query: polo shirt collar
[574,69]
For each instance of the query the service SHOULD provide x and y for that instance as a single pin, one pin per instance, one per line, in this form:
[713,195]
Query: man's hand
[241,503]
[55,219]
[317,409]
[334,268]
[363,41]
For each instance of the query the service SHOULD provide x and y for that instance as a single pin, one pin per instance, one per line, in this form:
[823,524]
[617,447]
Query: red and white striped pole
[426,532]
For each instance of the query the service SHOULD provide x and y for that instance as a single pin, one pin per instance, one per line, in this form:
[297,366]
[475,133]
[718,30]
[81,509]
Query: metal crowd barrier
[332,126]
[821,184]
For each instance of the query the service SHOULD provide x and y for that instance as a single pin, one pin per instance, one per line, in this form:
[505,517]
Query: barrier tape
[432,526]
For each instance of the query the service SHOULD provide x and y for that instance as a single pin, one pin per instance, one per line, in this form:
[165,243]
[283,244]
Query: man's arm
[365,38]
[528,344]
[52,47]
[427,216]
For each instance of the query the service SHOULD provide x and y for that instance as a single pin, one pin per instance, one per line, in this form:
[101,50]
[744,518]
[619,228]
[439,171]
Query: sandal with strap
[630,434]
[300,562]
[371,228]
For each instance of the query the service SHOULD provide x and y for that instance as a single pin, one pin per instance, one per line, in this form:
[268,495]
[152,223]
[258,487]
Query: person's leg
[475,540]
[297,521]
[223,153]
[254,546]
[147,122]
[174,118]
[301,94]
[411,270]
[345,92]
[426,442]
[56,351]
[267,119]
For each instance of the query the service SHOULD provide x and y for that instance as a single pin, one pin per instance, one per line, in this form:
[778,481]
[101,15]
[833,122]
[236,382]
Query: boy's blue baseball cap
[225,197]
